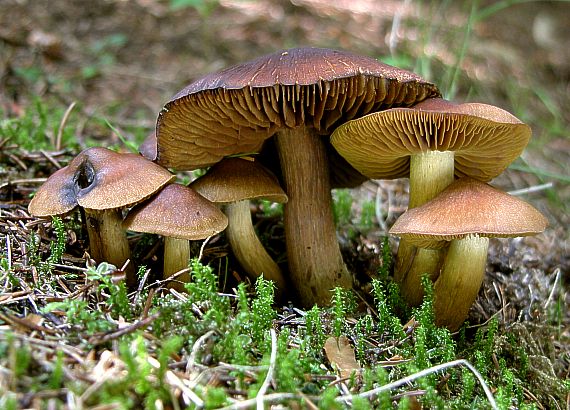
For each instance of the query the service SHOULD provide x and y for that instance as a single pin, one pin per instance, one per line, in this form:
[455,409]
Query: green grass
[207,328]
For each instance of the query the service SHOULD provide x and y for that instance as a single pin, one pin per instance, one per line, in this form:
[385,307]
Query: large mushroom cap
[468,207]
[237,179]
[177,212]
[99,178]
[233,111]
[485,139]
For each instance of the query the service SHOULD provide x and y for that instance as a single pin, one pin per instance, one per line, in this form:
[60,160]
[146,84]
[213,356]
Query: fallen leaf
[341,355]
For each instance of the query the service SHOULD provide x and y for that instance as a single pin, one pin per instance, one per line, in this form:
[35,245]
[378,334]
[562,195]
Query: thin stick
[23,181]
[197,345]
[62,126]
[530,189]
[554,286]
[425,372]
[203,246]
[9,252]
[121,332]
[269,375]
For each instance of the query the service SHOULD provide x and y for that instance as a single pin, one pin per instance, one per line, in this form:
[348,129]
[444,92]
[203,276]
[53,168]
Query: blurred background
[119,61]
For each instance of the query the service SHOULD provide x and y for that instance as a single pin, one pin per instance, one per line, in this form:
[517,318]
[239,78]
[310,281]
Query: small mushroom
[234,182]
[296,95]
[430,143]
[102,182]
[179,214]
[465,214]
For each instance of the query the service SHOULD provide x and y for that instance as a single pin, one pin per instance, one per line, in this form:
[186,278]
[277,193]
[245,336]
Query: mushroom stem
[246,246]
[430,173]
[176,258]
[108,240]
[426,261]
[315,261]
[460,280]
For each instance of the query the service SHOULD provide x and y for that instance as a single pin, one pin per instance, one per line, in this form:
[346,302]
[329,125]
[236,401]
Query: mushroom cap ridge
[179,212]
[485,139]
[468,207]
[237,179]
[233,111]
[98,178]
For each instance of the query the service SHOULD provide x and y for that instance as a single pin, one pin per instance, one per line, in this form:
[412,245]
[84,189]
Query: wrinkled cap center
[84,176]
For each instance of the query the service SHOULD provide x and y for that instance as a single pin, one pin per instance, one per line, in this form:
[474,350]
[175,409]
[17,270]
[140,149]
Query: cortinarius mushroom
[102,182]
[430,142]
[179,214]
[297,95]
[467,213]
[234,182]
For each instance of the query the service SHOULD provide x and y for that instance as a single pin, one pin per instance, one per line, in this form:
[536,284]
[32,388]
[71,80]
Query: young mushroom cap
[179,214]
[468,207]
[235,181]
[298,95]
[466,214]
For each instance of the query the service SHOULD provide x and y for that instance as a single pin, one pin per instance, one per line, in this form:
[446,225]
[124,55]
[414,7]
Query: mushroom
[179,214]
[296,95]
[465,214]
[430,143]
[102,182]
[234,182]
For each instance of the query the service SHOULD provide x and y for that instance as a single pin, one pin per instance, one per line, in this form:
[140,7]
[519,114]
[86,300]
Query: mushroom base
[460,279]
[176,258]
[315,261]
[247,248]
[108,240]
[425,261]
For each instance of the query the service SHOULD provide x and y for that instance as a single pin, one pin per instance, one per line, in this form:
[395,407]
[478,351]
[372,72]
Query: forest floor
[117,62]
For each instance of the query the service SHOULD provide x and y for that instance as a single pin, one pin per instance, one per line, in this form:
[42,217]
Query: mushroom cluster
[104,183]
[308,120]
[295,98]
[433,143]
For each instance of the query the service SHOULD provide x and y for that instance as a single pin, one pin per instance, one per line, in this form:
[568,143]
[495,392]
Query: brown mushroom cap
[148,147]
[485,139]
[177,212]
[233,111]
[468,207]
[56,196]
[237,179]
[108,180]
[99,178]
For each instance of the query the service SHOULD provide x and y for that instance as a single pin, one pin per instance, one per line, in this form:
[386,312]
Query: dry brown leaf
[341,355]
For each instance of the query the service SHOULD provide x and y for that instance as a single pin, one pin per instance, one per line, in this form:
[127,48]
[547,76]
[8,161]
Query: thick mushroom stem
[315,261]
[108,240]
[460,280]
[176,258]
[430,173]
[246,246]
